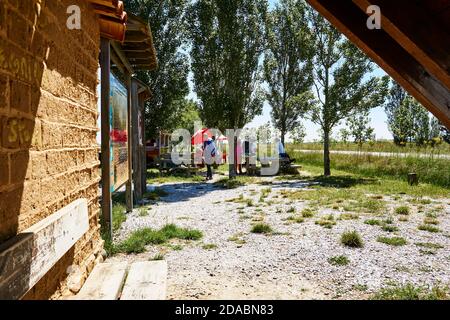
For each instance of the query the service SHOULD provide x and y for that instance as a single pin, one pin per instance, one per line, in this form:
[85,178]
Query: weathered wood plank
[26,258]
[348,18]
[104,282]
[146,281]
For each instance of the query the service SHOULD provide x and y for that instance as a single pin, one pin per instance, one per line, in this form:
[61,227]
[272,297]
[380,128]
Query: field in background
[433,171]
[377,146]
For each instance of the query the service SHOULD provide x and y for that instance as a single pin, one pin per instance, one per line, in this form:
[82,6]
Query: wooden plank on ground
[26,258]
[104,282]
[146,281]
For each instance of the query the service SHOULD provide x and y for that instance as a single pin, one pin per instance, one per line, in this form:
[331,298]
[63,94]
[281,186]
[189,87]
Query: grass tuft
[403,210]
[352,239]
[429,228]
[339,260]
[394,241]
[137,241]
[411,292]
[389,228]
[261,228]
[209,246]
[373,222]
[118,216]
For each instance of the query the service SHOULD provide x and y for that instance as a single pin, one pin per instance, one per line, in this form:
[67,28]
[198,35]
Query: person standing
[209,154]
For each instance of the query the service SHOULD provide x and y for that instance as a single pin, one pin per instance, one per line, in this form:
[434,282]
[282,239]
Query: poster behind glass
[119,134]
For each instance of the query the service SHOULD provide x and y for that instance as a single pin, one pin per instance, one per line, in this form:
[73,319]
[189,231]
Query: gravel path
[293,262]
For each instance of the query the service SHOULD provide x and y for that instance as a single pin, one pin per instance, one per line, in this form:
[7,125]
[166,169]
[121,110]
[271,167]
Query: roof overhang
[412,46]
[137,51]
[112,18]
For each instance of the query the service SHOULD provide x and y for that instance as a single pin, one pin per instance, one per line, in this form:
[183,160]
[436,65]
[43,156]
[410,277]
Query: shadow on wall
[37,61]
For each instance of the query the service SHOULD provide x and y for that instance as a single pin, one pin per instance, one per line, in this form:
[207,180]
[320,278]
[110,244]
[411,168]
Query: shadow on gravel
[177,192]
[346,181]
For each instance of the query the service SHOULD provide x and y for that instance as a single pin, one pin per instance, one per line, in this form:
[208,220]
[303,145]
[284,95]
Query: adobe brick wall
[48,126]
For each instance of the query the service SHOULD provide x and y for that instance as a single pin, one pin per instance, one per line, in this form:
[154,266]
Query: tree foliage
[288,64]
[227,40]
[342,80]
[168,83]
[359,127]
[408,120]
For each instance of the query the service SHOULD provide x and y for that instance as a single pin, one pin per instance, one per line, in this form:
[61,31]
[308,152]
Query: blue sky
[377,115]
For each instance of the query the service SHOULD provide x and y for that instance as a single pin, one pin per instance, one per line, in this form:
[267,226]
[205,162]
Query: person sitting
[282,152]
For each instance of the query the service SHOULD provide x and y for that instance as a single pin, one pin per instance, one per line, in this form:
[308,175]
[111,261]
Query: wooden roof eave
[389,52]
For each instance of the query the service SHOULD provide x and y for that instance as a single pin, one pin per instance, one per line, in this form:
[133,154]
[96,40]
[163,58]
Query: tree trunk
[283,133]
[232,166]
[326,153]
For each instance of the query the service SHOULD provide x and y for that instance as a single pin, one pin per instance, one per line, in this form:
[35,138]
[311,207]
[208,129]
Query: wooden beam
[104,283]
[129,184]
[118,51]
[26,258]
[105,65]
[389,55]
[117,62]
[136,154]
[414,29]
[146,280]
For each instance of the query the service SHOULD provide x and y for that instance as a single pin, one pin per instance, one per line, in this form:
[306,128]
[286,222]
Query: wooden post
[105,66]
[136,143]
[144,148]
[129,185]
[413,179]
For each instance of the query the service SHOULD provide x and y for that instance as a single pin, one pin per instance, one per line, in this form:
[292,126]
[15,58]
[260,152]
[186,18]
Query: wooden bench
[145,280]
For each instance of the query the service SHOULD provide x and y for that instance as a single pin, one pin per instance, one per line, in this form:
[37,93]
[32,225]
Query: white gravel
[291,264]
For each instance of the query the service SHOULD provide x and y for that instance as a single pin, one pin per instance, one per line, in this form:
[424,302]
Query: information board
[119,134]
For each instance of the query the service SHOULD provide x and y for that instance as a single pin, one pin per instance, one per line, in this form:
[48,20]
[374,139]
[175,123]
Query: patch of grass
[403,210]
[389,228]
[143,211]
[261,228]
[237,238]
[349,216]
[339,260]
[291,210]
[235,182]
[157,257]
[411,292]
[429,245]
[249,203]
[394,241]
[325,195]
[175,247]
[326,221]
[265,192]
[429,220]
[427,252]
[295,219]
[137,241]
[155,176]
[307,213]
[209,246]
[403,219]
[118,216]
[373,222]
[352,239]
[429,228]
[361,287]
[388,220]
[172,231]
[434,173]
